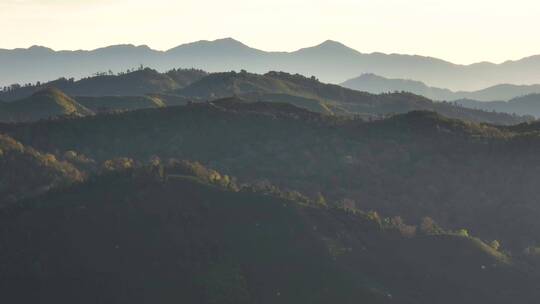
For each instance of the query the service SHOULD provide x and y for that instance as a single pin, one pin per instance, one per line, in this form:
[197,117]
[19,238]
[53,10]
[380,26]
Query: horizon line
[265,51]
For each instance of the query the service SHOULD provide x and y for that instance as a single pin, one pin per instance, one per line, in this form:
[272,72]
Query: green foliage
[496,245]
[463,232]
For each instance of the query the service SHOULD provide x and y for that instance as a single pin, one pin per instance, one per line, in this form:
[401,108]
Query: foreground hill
[414,165]
[316,96]
[43,104]
[26,172]
[182,234]
[331,61]
[135,83]
[377,85]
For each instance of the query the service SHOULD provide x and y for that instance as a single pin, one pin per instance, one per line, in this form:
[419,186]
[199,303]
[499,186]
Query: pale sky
[461,31]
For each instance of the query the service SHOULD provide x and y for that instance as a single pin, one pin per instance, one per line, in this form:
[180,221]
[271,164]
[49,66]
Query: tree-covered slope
[414,165]
[26,172]
[134,83]
[175,235]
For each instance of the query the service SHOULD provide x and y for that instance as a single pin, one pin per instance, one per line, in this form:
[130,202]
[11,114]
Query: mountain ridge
[376,84]
[340,63]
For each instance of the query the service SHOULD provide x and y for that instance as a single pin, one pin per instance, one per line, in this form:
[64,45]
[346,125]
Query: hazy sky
[462,31]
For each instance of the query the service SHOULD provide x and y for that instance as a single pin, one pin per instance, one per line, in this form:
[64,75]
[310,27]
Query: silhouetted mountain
[330,61]
[43,104]
[524,105]
[134,83]
[377,85]
[414,165]
[314,95]
[171,234]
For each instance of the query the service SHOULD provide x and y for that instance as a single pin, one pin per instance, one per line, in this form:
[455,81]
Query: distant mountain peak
[329,46]
[211,45]
[332,43]
[39,48]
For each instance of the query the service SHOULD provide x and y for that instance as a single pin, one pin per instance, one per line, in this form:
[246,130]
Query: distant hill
[314,95]
[134,83]
[377,84]
[181,233]
[119,103]
[524,105]
[330,61]
[43,104]
[27,172]
[462,174]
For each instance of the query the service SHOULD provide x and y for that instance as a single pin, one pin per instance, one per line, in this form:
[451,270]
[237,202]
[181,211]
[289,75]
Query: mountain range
[524,105]
[147,88]
[376,84]
[330,61]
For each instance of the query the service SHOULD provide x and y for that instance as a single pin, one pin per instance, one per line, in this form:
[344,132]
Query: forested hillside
[26,172]
[182,233]
[311,94]
[464,175]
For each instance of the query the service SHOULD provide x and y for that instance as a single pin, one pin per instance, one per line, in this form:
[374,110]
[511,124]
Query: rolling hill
[376,84]
[330,61]
[147,88]
[314,95]
[43,104]
[413,165]
[173,234]
[134,83]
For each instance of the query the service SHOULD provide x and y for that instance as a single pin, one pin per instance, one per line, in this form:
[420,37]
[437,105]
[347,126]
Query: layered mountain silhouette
[314,95]
[148,88]
[376,84]
[524,105]
[330,61]
[238,201]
